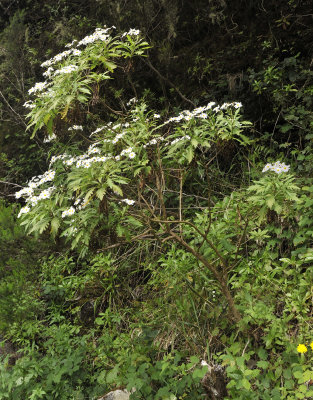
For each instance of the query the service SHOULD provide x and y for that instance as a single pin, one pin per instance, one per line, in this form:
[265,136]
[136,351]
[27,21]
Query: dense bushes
[164,254]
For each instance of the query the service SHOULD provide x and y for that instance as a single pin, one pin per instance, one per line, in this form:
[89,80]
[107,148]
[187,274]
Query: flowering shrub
[274,192]
[71,73]
[122,155]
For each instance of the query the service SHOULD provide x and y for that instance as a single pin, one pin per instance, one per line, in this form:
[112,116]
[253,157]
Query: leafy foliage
[174,256]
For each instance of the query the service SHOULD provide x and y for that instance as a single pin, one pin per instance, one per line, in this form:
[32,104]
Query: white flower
[71,44]
[225,106]
[277,167]
[210,105]
[132,101]
[156,116]
[23,210]
[48,73]
[28,191]
[203,115]
[278,170]
[94,150]
[29,104]
[45,194]
[97,130]
[126,151]
[50,138]
[69,162]
[267,167]
[68,212]
[75,128]
[34,200]
[129,202]
[39,86]
[99,34]
[76,52]
[66,70]
[132,155]
[131,32]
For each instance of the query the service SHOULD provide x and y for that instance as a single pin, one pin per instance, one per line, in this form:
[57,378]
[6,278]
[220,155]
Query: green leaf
[262,364]
[270,201]
[55,224]
[246,384]
[298,374]
[194,360]
[189,154]
[112,375]
[199,373]
[194,142]
[109,65]
[100,193]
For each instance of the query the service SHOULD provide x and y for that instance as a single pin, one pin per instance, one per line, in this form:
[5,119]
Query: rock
[116,395]
[214,382]
[7,348]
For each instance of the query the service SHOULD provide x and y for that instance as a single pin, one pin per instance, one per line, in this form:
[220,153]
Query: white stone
[116,395]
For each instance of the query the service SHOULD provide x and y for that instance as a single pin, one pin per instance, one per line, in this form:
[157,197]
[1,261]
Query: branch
[10,183]
[224,262]
[169,82]
[12,109]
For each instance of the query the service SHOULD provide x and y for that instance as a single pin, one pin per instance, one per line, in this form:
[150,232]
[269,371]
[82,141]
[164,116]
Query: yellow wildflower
[302,348]
[311,345]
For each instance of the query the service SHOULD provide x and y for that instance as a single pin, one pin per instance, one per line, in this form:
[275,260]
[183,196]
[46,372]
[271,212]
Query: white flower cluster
[132,101]
[48,73]
[86,163]
[50,138]
[81,204]
[278,167]
[154,141]
[94,150]
[186,137]
[60,157]
[97,131]
[49,93]
[29,104]
[99,34]
[131,32]
[118,137]
[59,57]
[35,182]
[200,112]
[71,44]
[66,70]
[32,200]
[39,86]
[128,202]
[44,194]
[23,210]
[129,152]
[76,52]
[235,104]
[70,211]
[71,231]
[75,128]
